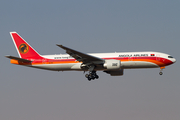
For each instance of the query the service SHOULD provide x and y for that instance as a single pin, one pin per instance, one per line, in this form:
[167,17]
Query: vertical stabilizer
[23,48]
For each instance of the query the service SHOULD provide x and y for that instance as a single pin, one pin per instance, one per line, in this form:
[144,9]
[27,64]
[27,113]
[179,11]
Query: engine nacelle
[112,65]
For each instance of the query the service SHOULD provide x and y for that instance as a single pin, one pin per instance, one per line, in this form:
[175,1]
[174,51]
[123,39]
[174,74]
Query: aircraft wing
[17,58]
[82,57]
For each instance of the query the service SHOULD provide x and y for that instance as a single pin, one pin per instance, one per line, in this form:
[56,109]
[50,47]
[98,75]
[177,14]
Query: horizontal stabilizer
[17,58]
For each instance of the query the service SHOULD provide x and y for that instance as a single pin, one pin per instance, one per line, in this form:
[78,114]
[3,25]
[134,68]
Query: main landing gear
[161,73]
[92,75]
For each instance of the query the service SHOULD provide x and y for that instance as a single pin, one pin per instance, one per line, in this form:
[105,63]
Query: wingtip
[59,45]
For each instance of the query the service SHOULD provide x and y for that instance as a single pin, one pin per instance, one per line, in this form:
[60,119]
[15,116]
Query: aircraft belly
[58,67]
[77,66]
[138,64]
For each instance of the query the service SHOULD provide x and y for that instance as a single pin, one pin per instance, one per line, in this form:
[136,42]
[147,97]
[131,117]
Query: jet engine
[110,65]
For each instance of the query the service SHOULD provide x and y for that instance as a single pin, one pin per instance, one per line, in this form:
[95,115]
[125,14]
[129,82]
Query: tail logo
[23,48]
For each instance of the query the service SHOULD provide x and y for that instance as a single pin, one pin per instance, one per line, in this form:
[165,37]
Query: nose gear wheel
[161,69]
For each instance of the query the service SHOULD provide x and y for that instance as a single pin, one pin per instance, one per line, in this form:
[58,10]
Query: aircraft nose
[174,60]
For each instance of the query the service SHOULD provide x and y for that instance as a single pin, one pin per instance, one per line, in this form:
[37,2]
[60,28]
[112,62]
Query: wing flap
[17,58]
[81,57]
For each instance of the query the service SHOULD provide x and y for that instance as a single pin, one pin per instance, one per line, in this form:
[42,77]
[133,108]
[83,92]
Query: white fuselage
[128,60]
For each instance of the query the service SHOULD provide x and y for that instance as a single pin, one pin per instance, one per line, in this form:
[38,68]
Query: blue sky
[90,26]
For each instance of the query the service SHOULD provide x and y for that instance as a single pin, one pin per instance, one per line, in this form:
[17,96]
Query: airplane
[110,63]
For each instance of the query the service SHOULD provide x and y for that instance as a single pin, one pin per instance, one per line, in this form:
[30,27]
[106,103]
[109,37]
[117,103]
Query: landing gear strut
[92,75]
[161,73]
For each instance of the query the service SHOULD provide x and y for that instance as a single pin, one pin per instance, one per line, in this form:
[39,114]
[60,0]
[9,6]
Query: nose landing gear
[161,73]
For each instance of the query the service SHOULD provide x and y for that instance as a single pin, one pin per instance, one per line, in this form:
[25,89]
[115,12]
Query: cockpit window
[170,56]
